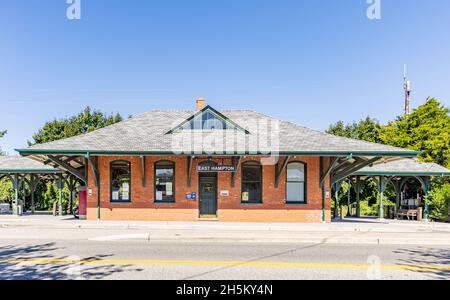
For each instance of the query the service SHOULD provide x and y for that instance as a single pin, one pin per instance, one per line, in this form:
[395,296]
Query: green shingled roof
[18,164]
[403,167]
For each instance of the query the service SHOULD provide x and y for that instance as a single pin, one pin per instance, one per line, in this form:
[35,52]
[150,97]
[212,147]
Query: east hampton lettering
[218,168]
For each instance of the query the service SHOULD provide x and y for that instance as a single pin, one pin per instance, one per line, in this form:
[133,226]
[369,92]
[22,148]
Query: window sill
[296,203]
[251,203]
[120,202]
[163,202]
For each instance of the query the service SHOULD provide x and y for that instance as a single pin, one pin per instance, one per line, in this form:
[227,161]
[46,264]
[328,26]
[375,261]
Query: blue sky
[312,62]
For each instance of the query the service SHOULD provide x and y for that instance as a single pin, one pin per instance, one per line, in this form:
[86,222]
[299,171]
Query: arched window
[165,182]
[120,172]
[296,183]
[251,184]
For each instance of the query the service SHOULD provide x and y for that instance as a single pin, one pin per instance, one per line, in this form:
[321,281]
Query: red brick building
[232,165]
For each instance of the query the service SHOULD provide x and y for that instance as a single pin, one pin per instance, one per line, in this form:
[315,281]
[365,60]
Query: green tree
[367,129]
[86,121]
[51,196]
[427,129]
[2,134]
[6,191]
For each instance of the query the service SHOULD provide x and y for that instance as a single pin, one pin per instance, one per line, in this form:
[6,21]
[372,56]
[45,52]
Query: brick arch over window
[251,182]
[296,182]
[164,174]
[120,181]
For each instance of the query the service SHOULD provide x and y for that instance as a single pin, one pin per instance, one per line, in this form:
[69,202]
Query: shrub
[372,210]
[439,202]
[6,191]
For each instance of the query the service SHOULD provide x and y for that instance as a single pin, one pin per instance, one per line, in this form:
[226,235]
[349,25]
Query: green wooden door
[208,196]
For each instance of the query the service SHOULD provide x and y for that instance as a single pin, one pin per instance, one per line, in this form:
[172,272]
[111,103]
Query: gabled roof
[403,167]
[152,133]
[18,164]
[196,122]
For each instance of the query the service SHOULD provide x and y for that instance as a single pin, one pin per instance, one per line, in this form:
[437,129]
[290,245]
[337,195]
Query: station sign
[218,168]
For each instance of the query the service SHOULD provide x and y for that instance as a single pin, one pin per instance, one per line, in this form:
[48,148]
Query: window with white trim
[296,182]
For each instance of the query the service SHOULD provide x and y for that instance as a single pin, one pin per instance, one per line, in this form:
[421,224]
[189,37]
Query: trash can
[353,209]
[17,209]
[420,214]
[390,212]
[82,202]
[342,211]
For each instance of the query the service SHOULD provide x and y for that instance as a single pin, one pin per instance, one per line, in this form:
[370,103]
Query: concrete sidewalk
[349,231]
[347,225]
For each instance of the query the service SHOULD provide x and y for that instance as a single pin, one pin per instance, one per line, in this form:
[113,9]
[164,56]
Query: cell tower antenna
[407,86]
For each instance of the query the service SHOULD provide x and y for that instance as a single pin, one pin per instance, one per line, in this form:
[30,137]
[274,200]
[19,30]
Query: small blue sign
[191,196]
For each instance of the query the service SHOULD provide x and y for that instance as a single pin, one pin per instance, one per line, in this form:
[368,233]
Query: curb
[327,229]
[306,238]
[285,240]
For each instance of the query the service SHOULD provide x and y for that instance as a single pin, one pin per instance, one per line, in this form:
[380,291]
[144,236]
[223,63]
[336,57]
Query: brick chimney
[200,103]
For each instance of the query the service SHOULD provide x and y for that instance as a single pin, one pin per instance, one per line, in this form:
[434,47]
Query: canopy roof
[404,167]
[21,165]
[163,133]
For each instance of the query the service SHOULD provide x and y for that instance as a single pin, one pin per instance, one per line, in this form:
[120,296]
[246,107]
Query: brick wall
[142,207]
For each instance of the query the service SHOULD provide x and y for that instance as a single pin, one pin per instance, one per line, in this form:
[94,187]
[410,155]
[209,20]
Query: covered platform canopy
[22,170]
[398,172]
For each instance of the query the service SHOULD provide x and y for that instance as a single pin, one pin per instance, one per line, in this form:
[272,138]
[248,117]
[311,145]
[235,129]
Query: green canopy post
[337,188]
[426,186]
[358,196]
[32,189]
[323,203]
[23,194]
[71,184]
[381,189]
[16,195]
[71,200]
[60,184]
[398,192]
[348,197]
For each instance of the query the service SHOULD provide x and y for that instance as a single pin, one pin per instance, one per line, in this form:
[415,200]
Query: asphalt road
[74,255]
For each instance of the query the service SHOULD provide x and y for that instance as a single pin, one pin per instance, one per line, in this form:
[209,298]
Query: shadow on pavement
[13,265]
[432,259]
[260,258]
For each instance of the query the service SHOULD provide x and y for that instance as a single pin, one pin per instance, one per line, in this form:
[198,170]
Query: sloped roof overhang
[21,165]
[404,168]
[24,167]
[405,153]
[401,173]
